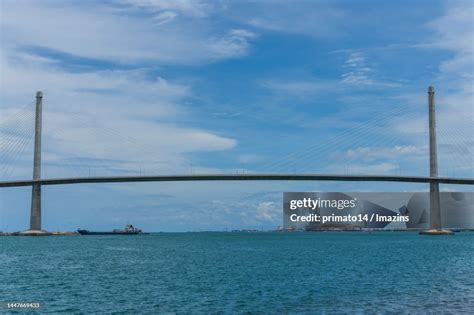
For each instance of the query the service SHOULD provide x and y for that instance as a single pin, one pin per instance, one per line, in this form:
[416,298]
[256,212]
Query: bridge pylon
[35,215]
[435,209]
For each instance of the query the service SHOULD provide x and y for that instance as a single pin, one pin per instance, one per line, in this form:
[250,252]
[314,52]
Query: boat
[128,230]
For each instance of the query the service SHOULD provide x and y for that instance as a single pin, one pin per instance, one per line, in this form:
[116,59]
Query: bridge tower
[35,216]
[435,209]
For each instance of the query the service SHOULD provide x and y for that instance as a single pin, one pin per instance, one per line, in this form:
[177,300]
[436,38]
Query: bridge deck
[239,177]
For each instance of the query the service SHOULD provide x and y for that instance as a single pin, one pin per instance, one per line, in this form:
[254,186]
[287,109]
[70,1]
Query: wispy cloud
[357,70]
[314,19]
[375,153]
[268,211]
[119,108]
[300,88]
[111,33]
[455,32]
[192,8]
[234,44]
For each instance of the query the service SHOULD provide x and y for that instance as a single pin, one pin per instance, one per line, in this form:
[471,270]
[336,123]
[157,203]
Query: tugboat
[129,229]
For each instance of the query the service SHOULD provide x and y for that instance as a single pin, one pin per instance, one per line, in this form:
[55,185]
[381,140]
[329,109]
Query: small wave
[121,248]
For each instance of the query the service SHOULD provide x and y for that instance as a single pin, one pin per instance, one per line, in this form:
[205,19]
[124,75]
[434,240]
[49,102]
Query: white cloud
[108,32]
[193,8]
[268,211]
[316,19]
[455,83]
[455,30]
[300,88]
[118,118]
[234,44]
[165,17]
[357,70]
[374,153]
[369,168]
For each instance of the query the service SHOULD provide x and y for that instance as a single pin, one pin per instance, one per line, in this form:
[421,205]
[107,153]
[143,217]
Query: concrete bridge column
[435,213]
[434,187]
[35,216]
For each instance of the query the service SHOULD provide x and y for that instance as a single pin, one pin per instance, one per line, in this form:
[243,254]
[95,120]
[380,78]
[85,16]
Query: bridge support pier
[35,216]
[435,213]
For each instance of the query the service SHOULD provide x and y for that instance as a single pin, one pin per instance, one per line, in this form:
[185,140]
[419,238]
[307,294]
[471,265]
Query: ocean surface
[325,272]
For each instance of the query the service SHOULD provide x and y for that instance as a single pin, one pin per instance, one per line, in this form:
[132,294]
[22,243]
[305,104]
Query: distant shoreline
[71,233]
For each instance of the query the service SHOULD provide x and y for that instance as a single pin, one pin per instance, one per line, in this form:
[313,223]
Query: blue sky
[151,86]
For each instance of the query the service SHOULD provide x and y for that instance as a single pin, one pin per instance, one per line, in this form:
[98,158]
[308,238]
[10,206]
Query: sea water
[319,272]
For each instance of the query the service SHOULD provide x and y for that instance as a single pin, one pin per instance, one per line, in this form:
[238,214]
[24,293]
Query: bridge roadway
[239,177]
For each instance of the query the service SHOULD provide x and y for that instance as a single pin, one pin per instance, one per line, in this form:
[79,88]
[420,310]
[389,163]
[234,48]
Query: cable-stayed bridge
[238,177]
[365,133]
